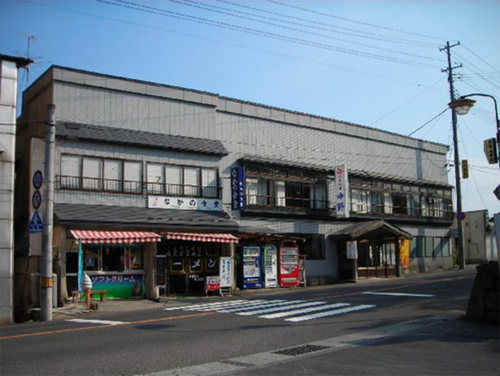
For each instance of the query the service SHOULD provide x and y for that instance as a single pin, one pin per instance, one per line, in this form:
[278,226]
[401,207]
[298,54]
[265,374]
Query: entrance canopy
[371,230]
[195,237]
[114,237]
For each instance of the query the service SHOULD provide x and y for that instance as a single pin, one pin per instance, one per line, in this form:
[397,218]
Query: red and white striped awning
[209,238]
[114,237]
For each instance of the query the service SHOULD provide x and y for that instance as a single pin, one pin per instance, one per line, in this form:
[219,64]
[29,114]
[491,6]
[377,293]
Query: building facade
[9,68]
[213,179]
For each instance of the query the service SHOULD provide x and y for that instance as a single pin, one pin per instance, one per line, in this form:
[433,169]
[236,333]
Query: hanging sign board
[342,192]
[352,249]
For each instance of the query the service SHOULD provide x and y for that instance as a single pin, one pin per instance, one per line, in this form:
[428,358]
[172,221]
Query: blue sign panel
[237,192]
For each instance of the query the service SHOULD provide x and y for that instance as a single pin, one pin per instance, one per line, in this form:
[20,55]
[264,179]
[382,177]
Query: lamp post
[462,105]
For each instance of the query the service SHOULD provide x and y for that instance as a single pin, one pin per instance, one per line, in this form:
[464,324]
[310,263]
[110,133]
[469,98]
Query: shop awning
[114,237]
[195,237]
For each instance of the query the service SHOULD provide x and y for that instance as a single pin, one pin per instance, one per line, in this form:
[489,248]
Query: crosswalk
[288,310]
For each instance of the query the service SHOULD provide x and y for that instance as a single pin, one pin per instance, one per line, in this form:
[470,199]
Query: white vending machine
[270,266]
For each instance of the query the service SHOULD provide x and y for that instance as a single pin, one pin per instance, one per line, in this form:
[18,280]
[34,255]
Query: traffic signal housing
[490,150]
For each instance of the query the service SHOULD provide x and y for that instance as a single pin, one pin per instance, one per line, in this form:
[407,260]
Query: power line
[423,125]
[330,27]
[230,12]
[267,34]
[354,21]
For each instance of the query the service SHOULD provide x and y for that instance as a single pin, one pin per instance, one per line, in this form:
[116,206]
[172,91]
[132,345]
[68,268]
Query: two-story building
[157,185]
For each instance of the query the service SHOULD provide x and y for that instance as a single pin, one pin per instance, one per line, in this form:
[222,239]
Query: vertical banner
[226,272]
[237,193]
[352,249]
[80,268]
[404,254]
[342,192]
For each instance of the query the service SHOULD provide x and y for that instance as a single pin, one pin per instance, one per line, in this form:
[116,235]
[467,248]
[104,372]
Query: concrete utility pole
[46,267]
[458,188]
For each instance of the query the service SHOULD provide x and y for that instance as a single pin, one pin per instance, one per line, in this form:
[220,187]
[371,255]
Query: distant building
[479,244]
[204,179]
[9,66]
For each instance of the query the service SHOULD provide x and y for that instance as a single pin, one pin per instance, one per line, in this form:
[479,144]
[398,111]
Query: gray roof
[97,133]
[371,230]
[115,217]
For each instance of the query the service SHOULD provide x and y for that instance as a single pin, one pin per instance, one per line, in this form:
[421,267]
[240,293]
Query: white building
[9,67]
[134,155]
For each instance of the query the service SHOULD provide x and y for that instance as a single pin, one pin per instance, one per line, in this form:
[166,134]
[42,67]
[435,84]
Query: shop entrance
[183,265]
[377,245]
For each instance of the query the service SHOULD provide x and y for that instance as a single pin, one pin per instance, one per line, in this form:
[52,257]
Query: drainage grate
[294,351]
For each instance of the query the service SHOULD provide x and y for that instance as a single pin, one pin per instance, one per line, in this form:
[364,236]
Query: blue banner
[237,192]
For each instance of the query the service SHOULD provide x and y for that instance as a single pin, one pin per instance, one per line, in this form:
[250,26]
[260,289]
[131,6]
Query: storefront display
[114,260]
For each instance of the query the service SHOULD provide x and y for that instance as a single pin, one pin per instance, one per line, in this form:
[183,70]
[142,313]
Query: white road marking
[305,310]
[398,294]
[205,305]
[329,313]
[282,308]
[103,322]
[271,303]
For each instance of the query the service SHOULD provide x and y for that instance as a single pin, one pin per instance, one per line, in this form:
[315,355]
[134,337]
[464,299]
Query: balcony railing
[77,183]
[266,201]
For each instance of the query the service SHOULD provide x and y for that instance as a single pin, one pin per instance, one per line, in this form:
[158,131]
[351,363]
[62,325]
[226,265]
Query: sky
[377,63]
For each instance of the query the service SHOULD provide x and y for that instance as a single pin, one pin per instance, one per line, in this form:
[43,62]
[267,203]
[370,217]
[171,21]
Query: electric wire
[229,12]
[263,33]
[354,21]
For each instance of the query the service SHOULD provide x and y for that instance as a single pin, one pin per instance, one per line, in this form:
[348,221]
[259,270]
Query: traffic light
[490,149]
[465,169]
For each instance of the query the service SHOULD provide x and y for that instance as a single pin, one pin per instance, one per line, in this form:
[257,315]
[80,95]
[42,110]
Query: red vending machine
[289,266]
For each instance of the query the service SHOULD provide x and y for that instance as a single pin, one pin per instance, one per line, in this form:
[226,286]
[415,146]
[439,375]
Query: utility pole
[458,188]
[47,237]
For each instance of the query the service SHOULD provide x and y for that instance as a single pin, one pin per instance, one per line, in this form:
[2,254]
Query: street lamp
[462,105]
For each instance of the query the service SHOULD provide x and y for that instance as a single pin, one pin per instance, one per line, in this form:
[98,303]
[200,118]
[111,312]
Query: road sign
[36,200]
[37,179]
[461,216]
[36,223]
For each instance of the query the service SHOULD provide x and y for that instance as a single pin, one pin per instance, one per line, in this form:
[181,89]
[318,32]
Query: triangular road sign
[36,224]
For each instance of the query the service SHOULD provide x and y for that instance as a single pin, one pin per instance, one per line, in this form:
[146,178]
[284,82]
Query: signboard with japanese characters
[119,285]
[342,192]
[237,192]
[226,267]
[184,203]
[352,249]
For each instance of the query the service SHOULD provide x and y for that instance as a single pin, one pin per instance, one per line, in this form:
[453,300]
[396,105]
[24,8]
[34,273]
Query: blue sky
[377,63]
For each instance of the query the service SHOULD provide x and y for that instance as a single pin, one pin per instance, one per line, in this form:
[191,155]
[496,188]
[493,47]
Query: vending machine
[270,266]
[289,266]
[252,278]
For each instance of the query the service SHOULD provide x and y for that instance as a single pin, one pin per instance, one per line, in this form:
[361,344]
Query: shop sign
[352,249]
[342,192]
[184,203]
[213,283]
[119,285]
[237,192]
[226,266]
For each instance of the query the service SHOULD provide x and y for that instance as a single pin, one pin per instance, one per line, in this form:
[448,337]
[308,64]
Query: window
[173,179]
[117,258]
[314,247]
[113,175]
[155,178]
[92,173]
[182,180]
[100,174]
[280,188]
[132,177]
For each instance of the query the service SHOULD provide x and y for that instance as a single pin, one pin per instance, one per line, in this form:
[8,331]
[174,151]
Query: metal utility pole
[458,188]
[46,267]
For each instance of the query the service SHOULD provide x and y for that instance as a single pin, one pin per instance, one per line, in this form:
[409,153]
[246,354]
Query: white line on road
[399,294]
[329,313]
[103,322]
[304,310]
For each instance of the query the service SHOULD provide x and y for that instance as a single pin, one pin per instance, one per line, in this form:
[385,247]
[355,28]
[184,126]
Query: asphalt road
[399,326]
